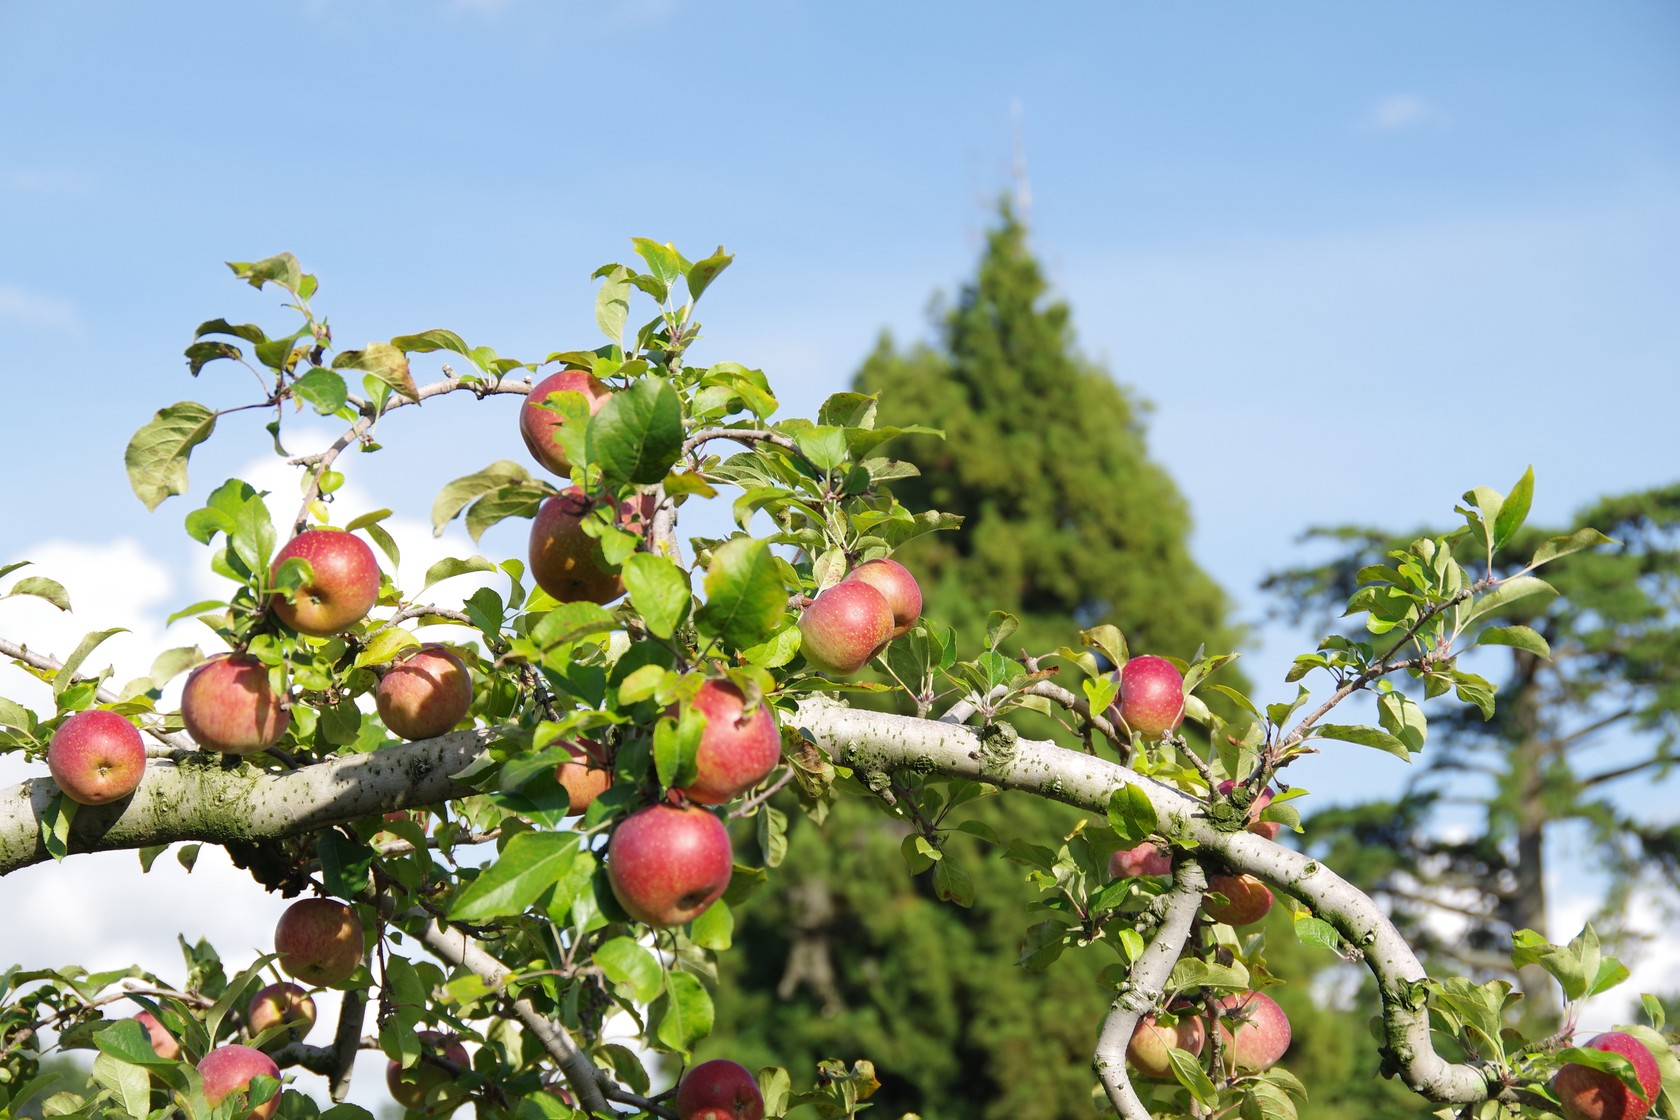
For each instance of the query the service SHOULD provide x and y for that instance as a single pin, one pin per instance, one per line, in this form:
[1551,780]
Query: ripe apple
[894,581]
[410,1087]
[1585,1093]
[1151,696]
[537,424]
[1248,899]
[1268,829]
[424,695]
[1147,1051]
[719,1090]
[667,864]
[229,705]
[163,1042]
[229,1069]
[587,776]
[565,561]
[736,750]
[345,587]
[319,941]
[1262,1033]
[96,756]
[281,1004]
[1145,859]
[845,626]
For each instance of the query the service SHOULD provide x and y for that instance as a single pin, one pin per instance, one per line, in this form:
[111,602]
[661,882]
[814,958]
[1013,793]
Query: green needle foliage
[1068,524]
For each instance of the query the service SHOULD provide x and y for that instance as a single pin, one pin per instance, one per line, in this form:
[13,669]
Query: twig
[175,741]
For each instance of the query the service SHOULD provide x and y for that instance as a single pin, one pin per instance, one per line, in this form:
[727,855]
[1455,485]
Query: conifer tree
[1068,524]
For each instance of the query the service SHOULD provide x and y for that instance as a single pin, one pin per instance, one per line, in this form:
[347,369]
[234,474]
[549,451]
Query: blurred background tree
[1068,524]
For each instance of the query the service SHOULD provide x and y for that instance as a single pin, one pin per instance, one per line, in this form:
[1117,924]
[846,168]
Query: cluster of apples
[317,940]
[1236,900]
[1253,1033]
[850,622]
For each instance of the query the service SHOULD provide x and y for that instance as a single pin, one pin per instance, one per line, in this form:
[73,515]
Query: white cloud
[1402,111]
[26,309]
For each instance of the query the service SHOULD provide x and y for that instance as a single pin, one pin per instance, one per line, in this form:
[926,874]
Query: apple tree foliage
[491,919]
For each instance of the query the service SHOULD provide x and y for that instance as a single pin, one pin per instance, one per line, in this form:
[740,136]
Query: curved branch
[1143,988]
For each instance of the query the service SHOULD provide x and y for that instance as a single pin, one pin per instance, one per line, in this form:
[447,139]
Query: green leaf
[56,819]
[702,272]
[714,929]
[1189,1073]
[43,588]
[449,567]
[131,1083]
[1317,932]
[1515,510]
[684,1013]
[825,447]
[156,457]
[637,436]
[1508,592]
[323,390]
[745,595]
[623,961]
[1529,947]
[772,835]
[662,260]
[571,622]
[1365,737]
[952,884]
[1519,637]
[612,304]
[282,269]
[67,672]
[1555,547]
[457,495]
[384,362]
[531,863]
[659,590]
[427,341]
[1132,814]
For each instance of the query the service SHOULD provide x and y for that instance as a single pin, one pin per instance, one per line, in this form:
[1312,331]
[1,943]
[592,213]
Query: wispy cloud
[25,308]
[1400,111]
[41,181]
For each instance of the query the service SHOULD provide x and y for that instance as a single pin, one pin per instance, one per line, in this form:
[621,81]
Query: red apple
[537,424]
[424,695]
[1585,1093]
[163,1042]
[228,705]
[1268,829]
[229,1069]
[319,941]
[565,561]
[96,756]
[1151,696]
[1147,1051]
[587,776]
[345,585]
[1145,859]
[410,1087]
[281,1004]
[844,627]
[894,581]
[1260,1028]
[667,864]
[737,750]
[1247,899]
[719,1090]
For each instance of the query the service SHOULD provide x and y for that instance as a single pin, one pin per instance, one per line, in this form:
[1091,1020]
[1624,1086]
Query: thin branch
[1144,986]
[1624,771]
[740,435]
[174,741]
[1081,707]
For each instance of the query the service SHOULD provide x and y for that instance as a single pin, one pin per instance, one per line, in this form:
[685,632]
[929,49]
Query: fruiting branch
[172,741]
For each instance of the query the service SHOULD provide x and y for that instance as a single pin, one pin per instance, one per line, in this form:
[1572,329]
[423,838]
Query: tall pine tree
[1068,524]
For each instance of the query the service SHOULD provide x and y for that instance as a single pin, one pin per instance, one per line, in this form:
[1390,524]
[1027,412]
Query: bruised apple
[845,626]
[319,941]
[666,864]
[719,1090]
[96,756]
[424,695]
[229,705]
[539,426]
[343,589]
[737,749]
[900,589]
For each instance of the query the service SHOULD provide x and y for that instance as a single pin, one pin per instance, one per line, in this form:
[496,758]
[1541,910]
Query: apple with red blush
[319,941]
[1151,700]
[230,1069]
[1586,1093]
[539,425]
[96,757]
[410,1087]
[900,589]
[667,863]
[1253,1030]
[424,694]
[719,1090]
[1152,1041]
[343,588]
[229,704]
[738,748]
[844,627]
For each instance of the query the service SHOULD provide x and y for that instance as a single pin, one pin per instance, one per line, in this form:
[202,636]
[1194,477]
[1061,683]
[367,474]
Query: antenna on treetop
[1018,164]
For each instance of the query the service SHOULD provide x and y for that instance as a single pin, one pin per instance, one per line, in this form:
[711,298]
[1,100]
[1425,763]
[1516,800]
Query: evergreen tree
[1068,524]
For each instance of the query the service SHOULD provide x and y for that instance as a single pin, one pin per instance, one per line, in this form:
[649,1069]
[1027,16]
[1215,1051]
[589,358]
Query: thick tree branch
[1142,991]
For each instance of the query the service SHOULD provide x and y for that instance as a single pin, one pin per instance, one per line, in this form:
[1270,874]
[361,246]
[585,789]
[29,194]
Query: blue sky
[1360,258]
